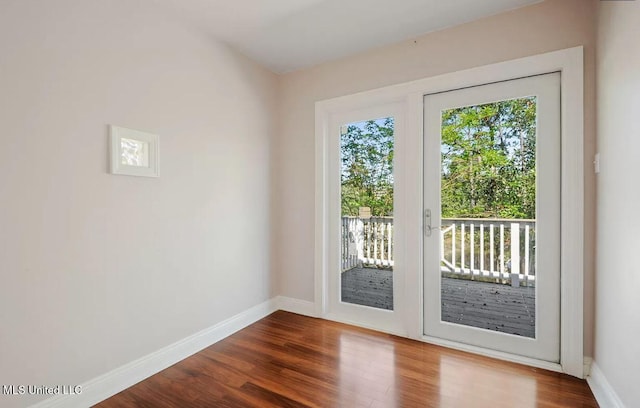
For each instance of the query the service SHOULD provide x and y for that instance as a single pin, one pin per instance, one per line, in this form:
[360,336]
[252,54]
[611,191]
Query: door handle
[428,228]
[427,222]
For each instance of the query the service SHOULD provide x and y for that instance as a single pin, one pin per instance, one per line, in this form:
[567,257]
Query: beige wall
[548,26]
[98,270]
[618,280]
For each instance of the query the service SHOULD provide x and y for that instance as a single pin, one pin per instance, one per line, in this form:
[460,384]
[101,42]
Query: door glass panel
[488,216]
[367,151]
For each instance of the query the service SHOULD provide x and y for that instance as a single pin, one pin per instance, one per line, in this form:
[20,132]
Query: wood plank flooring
[288,360]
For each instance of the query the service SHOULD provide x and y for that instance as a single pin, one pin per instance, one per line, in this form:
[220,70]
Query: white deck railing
[367,241]
[493,248]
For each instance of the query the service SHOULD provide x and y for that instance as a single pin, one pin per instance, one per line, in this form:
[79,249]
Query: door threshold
[500,355]
[365,324]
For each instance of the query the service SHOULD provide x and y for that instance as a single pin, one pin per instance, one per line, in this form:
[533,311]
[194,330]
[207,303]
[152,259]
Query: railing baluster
[367,234]
[472,250]
[482,249]
[354,222]
[359,240]
[383,241]
[369,240]
[345,244]
[344,253]
[375,241]
[350,234]
[380,240]
[349,225]
[462,248]
[453,246]
[354,228]
[502,250]
[347,254]
[355,240]
[515,253]
[491,250]
[526,252]
[389,240]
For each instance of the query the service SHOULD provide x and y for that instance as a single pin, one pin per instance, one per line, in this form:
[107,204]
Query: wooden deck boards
[369,287]
[489,306]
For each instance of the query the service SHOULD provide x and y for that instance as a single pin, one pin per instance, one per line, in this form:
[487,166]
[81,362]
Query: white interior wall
[618,282]
[547,26]
[98,270]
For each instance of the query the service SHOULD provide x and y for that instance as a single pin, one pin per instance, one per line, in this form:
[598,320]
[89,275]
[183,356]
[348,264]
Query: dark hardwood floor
[288,360]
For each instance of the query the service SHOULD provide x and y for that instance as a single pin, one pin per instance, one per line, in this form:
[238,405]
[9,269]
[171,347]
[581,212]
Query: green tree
[367,167]
[488,160]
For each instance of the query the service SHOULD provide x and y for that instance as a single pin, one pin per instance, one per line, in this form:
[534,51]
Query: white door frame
[379,319]
[545,345]
[409,241]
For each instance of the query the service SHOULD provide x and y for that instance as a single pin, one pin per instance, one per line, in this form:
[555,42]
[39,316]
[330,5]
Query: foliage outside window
[488,162]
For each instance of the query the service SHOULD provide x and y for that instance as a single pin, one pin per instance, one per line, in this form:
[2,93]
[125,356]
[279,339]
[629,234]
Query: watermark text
[13,389]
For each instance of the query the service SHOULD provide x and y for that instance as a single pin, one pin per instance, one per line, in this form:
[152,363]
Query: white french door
[492,216]
[364,270]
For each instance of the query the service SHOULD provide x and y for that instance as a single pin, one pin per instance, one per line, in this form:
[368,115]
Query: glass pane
[488,229]
[134,152]
[366,150]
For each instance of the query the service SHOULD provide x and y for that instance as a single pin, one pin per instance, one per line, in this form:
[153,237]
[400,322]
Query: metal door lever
[427,222]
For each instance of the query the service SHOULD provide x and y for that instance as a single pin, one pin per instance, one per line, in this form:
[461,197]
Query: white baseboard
[111,383]
[602,390]
[303,307]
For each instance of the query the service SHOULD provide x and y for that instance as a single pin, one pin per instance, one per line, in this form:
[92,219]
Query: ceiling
[287,35]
